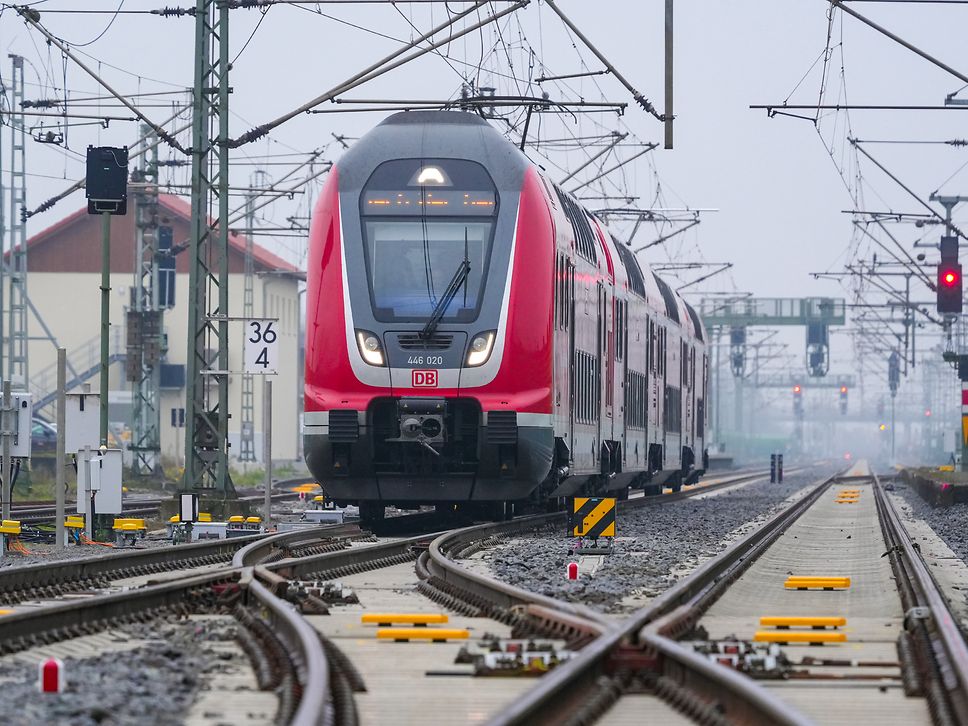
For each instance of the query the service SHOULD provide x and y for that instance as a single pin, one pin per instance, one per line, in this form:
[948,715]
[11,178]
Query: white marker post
[261,357]
[267,452]
[87,493]
[60,480]
[261,350]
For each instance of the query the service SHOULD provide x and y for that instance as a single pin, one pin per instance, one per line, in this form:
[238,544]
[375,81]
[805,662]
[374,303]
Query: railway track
[39,513]
[905,661]
[257,588]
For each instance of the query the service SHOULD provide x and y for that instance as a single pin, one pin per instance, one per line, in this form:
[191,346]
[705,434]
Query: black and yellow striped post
[593,517]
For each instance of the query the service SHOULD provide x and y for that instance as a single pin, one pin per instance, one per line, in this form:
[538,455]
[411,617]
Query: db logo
[424,379]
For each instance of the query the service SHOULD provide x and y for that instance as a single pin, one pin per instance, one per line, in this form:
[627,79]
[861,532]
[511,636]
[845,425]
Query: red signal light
[843,389]
[796,389]
[949,287]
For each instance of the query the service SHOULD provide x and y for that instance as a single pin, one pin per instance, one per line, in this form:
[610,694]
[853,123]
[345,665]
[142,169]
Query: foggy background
[778,185]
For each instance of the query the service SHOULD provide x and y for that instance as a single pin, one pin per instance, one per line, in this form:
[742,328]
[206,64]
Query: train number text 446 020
[428,360]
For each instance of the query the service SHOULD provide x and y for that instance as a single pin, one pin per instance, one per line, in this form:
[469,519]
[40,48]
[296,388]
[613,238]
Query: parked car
[43,437]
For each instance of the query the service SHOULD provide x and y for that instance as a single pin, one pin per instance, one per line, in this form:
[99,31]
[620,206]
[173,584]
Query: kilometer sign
[261,352]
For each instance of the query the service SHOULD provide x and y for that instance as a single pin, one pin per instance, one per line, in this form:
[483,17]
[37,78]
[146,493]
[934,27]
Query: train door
[570,313]
[658,379]
[647,393]
[621,375]
[693,400]
[601,363]
[687,388]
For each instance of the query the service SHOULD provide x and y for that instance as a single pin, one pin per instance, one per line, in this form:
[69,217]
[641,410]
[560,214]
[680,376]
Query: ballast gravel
[949,523]
[656,546]
[154,683]
[39,553]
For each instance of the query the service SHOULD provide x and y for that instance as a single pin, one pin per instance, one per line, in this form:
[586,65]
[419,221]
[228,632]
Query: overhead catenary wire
[386,64]
[32,18]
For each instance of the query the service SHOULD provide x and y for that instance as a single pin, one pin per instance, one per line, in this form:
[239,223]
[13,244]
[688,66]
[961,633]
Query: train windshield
[422,218]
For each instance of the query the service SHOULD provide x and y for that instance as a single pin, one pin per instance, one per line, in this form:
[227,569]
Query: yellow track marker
[402,635]
[388,619]
[826,583]
[818,637]
[802,622]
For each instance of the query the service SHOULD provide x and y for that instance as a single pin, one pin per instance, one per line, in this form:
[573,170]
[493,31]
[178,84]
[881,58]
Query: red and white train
[474,335]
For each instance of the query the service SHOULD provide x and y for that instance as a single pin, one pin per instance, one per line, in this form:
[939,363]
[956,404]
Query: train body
[475,335]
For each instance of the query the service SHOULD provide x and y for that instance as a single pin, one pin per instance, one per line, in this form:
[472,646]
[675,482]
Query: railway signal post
[106,186]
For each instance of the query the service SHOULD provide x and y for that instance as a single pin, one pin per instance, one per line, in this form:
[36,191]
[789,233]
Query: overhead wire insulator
[167,12]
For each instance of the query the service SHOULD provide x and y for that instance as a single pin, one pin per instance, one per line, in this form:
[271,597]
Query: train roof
[434,134]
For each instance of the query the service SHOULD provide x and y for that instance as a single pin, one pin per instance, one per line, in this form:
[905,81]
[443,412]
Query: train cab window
[422,219]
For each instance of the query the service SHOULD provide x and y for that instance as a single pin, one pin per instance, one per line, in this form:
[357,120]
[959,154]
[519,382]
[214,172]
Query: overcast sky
[778,194]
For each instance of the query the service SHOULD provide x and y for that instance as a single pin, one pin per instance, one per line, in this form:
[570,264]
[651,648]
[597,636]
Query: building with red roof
[64,263]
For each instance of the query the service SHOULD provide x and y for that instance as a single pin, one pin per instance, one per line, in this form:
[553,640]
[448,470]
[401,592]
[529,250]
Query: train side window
[650,346]
[684,364]
[692,366]
[559,303]
[563,295]
[581,229]
[620,308]
[566,293]
[662,351]
[580,397]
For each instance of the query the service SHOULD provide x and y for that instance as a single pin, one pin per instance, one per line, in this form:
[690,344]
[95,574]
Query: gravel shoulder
[154,682]
[949,523]
[940,535]
[657,545]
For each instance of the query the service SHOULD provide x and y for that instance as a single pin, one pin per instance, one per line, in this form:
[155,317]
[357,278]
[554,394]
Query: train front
[429,318]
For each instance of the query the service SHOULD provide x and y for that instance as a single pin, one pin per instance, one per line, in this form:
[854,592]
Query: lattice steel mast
[206,419]
[16,272]
[145,319]
[247,437]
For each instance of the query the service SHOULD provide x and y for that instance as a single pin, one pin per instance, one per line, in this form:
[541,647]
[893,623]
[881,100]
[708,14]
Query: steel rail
[632,643]
[66,619]
[257,551]
[49,576]
[48,579]
[749,701]
[305,649]
[490,588]
[949,649]
[453,574]
[59,621]
[70,618]
[253,549]
[38,512]
[315,564]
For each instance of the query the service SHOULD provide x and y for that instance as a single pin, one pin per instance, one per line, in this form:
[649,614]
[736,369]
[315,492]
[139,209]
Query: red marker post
[572,570]
[51,676]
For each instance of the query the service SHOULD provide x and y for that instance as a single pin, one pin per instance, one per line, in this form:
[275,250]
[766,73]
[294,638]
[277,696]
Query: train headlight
[370,348]
[480,349]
